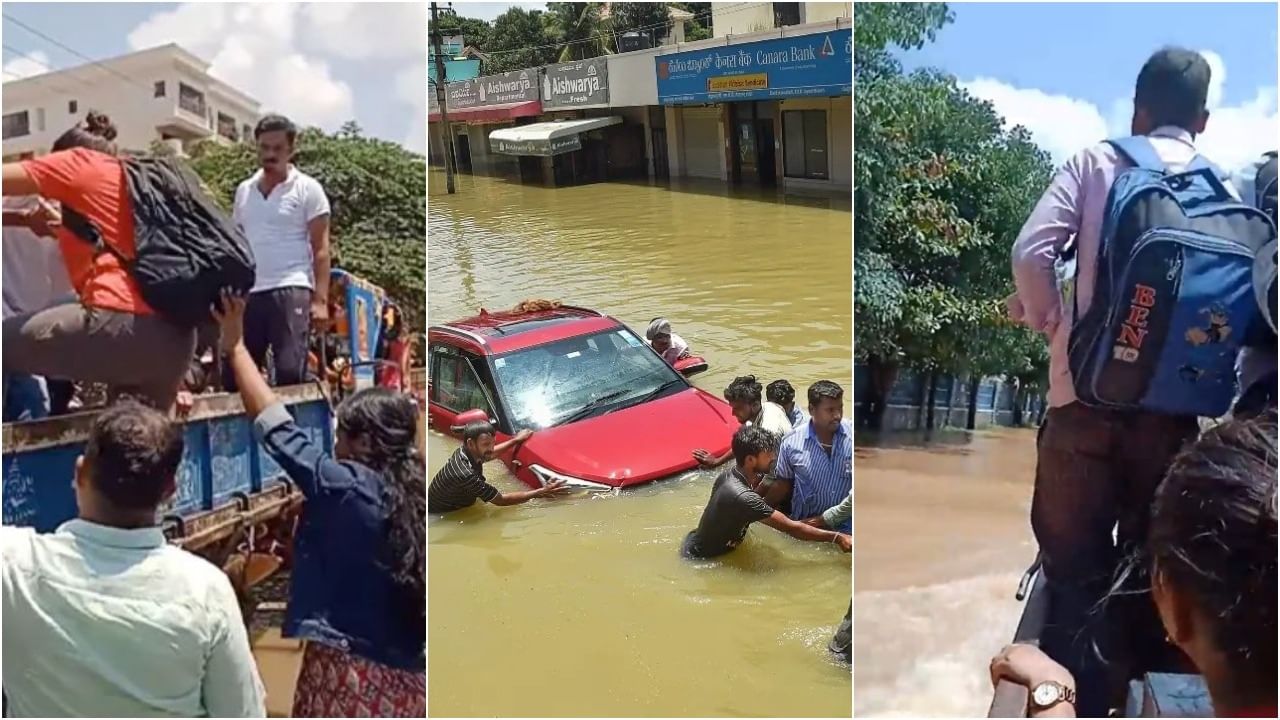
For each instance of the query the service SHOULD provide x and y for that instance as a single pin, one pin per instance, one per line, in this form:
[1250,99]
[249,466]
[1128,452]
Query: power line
[592,38]
[75,52]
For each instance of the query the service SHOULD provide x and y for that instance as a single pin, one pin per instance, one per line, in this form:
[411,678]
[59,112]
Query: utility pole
[440,99]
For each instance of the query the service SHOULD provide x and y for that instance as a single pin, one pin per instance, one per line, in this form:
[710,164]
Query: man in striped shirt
[461,481]
[815,462]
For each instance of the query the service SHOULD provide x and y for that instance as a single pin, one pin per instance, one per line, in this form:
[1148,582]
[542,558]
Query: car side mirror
[466,418]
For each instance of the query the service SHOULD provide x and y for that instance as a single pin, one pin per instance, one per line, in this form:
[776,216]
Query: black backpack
[1264,269]
[186,248]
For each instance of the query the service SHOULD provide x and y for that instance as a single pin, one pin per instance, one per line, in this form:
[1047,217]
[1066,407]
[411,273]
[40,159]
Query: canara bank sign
[814,65]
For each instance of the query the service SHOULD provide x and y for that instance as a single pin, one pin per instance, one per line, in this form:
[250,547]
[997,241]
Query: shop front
[479,105]
[764,113]
[579,139]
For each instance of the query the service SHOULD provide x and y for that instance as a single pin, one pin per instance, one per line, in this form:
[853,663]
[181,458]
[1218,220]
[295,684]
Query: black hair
[752,440]
[95,132]
[388,422]
[1173,87]
[744,388]
[825,389]
[780,391]
[476,429]
[1213,537]
[276,123]
[133,454]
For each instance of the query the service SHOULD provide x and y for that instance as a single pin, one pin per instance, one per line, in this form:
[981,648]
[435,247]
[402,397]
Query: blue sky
[320,63]
[1066,71]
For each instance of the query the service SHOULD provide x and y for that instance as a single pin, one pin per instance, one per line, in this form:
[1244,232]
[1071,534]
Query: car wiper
[592,406]
[657,391]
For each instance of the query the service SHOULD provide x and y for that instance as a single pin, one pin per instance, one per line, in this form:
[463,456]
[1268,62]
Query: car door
[454,388]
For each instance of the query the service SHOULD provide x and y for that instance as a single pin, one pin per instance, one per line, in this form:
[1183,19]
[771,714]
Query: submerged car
[607,412]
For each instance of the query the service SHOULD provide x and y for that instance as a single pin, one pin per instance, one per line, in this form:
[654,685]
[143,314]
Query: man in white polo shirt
[285,215]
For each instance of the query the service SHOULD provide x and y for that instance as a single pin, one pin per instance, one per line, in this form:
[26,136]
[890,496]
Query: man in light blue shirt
[783,395]
[103,618]
[815,462]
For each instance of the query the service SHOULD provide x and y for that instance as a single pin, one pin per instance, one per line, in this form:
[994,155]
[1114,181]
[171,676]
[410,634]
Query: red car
[607,412]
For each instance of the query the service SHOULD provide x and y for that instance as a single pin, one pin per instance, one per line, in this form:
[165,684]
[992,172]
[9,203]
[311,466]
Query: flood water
[583,607]
[942,537]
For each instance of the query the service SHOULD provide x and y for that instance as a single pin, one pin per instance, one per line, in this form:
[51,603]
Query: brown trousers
[144,356]
[1097,471]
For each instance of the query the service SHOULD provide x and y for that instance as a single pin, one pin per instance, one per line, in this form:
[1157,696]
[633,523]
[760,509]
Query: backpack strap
[1200,162]
[1139,151]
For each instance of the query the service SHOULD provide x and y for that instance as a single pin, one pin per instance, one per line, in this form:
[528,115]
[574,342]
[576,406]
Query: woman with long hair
[108,334]
[1211,551]
[358,593]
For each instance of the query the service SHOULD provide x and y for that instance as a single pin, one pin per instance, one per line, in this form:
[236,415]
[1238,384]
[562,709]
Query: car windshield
[576,378]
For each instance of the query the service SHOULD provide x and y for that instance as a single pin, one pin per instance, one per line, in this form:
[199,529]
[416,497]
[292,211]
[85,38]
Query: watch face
[1045,694]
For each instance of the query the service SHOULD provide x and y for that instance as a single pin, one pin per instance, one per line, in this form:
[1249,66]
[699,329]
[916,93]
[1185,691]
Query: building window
[804,144]
[786,14]
[191,100]
[73,107]
[246,132]
[159,89]
[17,125]
[227,127]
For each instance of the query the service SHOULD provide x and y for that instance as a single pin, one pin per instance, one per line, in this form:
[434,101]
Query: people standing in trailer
[285,215]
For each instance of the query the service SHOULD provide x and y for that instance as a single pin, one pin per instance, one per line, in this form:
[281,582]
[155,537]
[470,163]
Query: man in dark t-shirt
[461,481]
[735,504]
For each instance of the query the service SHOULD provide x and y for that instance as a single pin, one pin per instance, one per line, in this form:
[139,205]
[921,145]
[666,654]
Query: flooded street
[942,536]
[583,607]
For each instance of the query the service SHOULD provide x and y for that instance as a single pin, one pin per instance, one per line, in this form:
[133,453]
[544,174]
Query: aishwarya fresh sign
[540,147]
[817,65]
[576,84]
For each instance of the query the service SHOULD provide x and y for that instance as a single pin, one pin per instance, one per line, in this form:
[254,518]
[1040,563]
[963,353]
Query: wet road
[583,607]
[941,536]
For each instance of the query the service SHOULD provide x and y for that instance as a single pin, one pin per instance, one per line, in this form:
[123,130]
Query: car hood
[637,444]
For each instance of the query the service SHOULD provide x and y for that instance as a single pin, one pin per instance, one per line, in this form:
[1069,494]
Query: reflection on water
[942,536]
[582,606]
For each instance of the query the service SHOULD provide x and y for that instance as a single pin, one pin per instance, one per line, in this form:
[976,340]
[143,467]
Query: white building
[164,93]
[743,18]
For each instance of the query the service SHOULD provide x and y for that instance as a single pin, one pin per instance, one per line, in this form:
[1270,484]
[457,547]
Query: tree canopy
[941,189]
[377,191]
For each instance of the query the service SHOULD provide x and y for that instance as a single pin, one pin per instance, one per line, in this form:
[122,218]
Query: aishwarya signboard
[539,147]
[509,87]
[576,84]
[816,65]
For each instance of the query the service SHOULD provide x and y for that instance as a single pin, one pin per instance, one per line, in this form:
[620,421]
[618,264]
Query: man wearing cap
[669,345]
[1096,468]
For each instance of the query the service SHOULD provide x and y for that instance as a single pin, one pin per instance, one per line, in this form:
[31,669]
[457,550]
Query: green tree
[518,39]
[579,31]
[941,189]
[652,19]
[700,27]
[474,32]
[377,190]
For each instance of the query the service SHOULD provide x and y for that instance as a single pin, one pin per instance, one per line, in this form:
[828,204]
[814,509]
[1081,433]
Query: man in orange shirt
[110,335]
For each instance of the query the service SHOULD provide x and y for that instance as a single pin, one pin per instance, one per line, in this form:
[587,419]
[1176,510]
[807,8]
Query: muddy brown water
[942,536]
[582,607]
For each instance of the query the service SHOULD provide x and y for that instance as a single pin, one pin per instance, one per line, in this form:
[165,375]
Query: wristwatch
[1050,693]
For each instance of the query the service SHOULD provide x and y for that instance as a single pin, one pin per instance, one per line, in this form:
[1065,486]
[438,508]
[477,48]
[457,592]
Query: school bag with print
[186,248]
[1173,293]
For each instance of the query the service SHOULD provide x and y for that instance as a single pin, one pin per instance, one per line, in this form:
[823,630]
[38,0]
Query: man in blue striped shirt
[815,462]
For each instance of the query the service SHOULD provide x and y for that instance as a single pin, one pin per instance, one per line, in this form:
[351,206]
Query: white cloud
[23,66]
[1234,139]
[367,30]
[1217,77]
[411,84]
[253,47]
[1060,124]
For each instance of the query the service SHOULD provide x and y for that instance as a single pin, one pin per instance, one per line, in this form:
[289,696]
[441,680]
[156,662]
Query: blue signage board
[817,65]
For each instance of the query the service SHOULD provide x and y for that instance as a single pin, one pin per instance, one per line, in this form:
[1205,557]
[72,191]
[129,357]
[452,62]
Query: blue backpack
[1174,290]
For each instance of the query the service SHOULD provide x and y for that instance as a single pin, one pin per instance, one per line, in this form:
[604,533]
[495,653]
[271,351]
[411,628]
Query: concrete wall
[822,11]
[131,105]
[741,18]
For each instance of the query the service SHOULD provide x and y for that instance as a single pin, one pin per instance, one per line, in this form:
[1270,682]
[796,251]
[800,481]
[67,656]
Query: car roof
[506,331]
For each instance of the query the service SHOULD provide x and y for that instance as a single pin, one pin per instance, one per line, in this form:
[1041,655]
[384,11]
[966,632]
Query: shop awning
[547,138]
[492,113]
